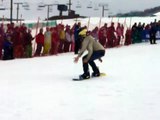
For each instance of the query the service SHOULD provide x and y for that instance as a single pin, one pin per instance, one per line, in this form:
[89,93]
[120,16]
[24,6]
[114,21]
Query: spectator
[77,29]
[28,44]
[134,33]
[119,33]
[62,38]
[68,40]
[152,33]
[40,42]
[128,39]
[18,39]
[111,36]
[8,48]
[55,41]
[94,33]
[47,42]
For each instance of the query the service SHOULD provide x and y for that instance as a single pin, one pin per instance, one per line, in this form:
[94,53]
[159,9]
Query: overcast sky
[114,6]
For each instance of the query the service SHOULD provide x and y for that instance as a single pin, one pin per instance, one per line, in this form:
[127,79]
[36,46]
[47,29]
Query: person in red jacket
[102,36]
[128,37]
[55,41]
[40,42]
[111,35]
[119,34]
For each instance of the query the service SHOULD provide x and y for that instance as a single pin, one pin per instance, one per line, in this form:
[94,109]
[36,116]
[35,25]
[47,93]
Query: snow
[41,88]
[157,14]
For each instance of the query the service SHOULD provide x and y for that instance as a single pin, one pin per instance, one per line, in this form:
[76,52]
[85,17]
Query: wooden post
[88,24]
[100,22]
[37,26]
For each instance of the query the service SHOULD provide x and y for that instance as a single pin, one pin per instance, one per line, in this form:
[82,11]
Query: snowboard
[78,79]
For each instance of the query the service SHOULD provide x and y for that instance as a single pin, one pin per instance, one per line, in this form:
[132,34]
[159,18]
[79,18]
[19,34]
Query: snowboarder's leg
[94,68]
[86,74]
[96,55]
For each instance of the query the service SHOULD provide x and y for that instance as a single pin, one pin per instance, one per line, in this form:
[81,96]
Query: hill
[146,12]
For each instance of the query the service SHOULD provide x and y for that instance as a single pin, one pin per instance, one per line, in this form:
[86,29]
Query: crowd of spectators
[19,42]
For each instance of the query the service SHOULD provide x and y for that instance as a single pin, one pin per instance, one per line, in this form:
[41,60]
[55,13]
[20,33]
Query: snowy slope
[42,88]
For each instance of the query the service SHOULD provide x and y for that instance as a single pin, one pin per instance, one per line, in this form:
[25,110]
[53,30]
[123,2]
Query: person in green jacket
[95,51]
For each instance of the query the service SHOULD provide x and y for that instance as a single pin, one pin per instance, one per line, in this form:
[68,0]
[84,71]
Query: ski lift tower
[11,11]
[42,5]
[69,7]
[61,8]
[25,5]
[104,8]
[18,3]
[48,9]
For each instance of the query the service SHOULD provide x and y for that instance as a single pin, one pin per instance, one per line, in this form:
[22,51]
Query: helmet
[83,32]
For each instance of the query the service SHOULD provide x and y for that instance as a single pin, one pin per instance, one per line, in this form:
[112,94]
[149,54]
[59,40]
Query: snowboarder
[95,51]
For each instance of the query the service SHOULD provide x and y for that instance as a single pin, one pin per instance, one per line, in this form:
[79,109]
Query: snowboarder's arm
[76,59]
[84,46]
[90,52]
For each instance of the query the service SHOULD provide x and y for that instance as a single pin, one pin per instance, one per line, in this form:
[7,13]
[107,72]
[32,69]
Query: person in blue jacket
[8,48]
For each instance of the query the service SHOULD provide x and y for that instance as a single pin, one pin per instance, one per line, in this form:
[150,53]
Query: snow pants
[95,55]
[28,51]
[38,50]
[152,39]
[46,49]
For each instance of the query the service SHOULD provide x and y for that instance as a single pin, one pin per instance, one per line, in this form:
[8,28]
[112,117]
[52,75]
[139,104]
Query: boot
[84,76]
[96,73]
